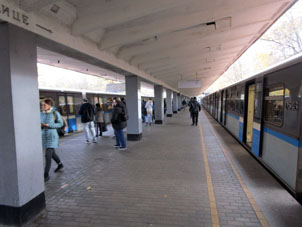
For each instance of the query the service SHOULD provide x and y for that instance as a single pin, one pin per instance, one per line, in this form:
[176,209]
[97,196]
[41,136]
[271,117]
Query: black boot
[60,166]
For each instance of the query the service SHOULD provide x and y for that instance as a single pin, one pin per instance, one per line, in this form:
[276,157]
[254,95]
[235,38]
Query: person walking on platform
[87,117]
[119,122]
[144,111]
[194,110]
[184,103]
[149,108]
[51,120]
[189,105]
[99,119]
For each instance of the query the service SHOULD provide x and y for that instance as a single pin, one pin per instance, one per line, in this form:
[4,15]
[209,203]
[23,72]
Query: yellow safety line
[214,212]
[256,208]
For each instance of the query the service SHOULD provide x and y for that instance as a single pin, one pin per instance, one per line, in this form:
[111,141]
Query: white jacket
[149,106]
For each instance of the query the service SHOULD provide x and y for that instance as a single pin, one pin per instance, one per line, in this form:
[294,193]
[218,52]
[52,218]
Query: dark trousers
[98,128]
[50,154]
[194,118]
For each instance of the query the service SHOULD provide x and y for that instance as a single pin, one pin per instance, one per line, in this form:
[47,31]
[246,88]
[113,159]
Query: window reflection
[62,105]
[274,105]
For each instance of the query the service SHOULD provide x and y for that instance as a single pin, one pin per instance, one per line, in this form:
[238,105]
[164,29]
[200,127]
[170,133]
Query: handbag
[61,131]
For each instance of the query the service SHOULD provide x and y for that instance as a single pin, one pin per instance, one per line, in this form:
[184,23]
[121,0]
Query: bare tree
[285,38]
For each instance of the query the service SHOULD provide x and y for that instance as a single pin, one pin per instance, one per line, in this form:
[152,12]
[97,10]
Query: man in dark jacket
[194,109]
[119,122]
[87,118]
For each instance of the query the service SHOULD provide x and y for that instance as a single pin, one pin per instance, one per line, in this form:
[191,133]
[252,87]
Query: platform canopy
[163,41]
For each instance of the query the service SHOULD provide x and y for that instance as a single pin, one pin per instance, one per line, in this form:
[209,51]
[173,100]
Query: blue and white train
[68,104]
[264,113]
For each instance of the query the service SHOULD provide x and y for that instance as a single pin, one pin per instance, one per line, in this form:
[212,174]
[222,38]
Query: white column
[159,104]
[133,101]
[21,156]
[175,102]
[169,103]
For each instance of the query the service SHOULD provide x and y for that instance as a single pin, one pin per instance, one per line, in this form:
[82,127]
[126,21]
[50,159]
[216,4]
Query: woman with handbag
[51,120]
[99,119]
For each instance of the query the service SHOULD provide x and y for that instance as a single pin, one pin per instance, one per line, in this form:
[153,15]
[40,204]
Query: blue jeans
[89,130]
[148,118]
[119,137]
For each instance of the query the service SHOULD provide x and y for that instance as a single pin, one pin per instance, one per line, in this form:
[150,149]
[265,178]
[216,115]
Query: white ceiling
[168,39]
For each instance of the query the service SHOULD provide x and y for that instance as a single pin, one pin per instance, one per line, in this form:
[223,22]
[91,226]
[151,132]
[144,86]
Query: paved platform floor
[177,175]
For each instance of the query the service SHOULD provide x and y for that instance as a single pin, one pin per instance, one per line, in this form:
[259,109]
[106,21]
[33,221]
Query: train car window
[241,102]
[300,91]
[275,91]
[231,105]
[100,100]
[228,94]
[274,105]
[62,105]
[70,103]
[258,100]
[95,100]
[257,109]
[287,93]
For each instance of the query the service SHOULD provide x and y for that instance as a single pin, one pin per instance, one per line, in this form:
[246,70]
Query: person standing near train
[119,122]
[99,119]
[87,118]
[51,120]
[144,111]
[149,108]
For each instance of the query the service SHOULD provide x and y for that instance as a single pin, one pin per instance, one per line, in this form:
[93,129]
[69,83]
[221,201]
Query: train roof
[79,91]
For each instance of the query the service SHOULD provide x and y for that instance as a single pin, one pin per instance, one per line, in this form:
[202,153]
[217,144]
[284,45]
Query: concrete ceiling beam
[35,5]
[112,13]
[173,20]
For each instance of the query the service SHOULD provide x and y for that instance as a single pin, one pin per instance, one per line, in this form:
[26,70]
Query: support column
[169,102]
[175,102]
[179,101]
[21,157]
[133,100]
[159,104]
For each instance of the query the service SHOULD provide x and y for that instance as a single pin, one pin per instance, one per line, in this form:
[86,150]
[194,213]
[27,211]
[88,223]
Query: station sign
[189,84]
[12,14]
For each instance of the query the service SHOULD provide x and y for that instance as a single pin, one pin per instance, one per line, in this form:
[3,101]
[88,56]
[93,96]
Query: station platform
[177,175]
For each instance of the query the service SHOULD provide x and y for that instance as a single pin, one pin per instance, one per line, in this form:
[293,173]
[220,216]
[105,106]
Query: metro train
[68,104]
[264,114]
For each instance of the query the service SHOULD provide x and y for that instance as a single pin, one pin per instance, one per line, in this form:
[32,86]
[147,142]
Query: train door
[219,105]
[223,111]
[214,105]
[250,114]
[71,115]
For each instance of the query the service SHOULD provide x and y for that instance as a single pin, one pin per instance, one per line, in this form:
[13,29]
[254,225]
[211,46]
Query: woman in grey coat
[51,120]
[99,119]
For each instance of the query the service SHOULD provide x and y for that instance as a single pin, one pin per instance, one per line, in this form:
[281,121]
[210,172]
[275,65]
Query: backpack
[124,115]
[61,131]
[194,107]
